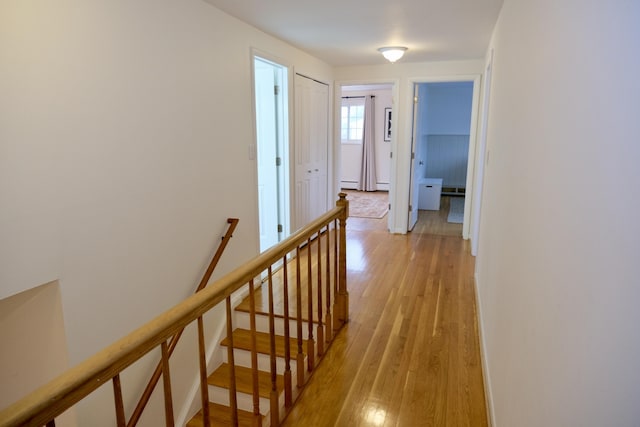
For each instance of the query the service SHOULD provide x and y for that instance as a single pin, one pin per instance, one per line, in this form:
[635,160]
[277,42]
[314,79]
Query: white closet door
[311,147]
[320,145]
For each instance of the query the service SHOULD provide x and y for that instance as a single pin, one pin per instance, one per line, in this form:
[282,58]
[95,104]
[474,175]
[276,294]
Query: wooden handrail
[233,223]
[55,397]
[155,377]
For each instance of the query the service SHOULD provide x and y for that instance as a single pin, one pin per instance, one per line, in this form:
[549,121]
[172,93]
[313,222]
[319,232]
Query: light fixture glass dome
[392,53]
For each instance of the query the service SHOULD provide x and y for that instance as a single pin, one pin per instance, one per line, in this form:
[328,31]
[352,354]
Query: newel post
[342,298]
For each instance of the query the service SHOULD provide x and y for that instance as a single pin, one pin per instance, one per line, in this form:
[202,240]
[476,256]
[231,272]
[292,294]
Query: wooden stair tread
[243,307]
[220,415]
[242,340]
[244,380]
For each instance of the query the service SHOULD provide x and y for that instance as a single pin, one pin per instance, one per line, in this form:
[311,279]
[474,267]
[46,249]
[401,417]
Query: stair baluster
[336,322]
[320,328]
[310,342]
[275,406]
[204,386]
[288,398]
[166,384]
[121,419]
[342,297]
[327,323]
[233,399]
[300,356]
[257,417]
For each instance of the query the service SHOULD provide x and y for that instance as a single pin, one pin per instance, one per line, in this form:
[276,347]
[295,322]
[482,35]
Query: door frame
[285,197]
[337,145]
[482,155]
[473,130]
[413,185]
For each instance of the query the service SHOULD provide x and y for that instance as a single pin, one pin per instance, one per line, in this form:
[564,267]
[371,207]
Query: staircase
[268,344]
[219,379]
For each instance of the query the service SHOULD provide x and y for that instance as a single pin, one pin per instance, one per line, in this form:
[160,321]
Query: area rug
[456,210]
[368,204]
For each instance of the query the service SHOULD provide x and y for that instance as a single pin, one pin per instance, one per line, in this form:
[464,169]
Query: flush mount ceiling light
[392,53]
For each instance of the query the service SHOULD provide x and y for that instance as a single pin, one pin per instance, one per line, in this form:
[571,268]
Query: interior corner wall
[557,268]
[34,348]
[125,137]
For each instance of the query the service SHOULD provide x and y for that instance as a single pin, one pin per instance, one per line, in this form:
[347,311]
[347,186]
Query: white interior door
[311,148]
[414,185]
[267,136]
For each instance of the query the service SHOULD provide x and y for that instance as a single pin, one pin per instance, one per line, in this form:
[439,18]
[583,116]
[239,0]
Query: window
[352,120]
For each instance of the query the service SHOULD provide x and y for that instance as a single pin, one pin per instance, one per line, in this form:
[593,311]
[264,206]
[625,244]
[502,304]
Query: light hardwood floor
[409,355]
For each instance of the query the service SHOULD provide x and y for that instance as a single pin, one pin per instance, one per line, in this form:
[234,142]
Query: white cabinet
[430,190]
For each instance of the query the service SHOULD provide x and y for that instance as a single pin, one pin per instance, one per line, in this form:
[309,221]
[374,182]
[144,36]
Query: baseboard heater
[353,185]
[452,191]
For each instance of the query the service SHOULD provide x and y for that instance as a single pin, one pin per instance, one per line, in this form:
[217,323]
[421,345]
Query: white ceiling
[349,32]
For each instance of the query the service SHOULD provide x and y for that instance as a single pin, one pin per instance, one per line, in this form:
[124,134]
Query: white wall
[422,130]
[351,159]
[448,108]
[404,75]
[557,268]
[125,130]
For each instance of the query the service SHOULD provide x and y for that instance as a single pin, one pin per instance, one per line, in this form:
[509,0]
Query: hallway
[409,355]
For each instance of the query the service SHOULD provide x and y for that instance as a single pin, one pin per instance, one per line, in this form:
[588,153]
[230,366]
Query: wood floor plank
[410,354]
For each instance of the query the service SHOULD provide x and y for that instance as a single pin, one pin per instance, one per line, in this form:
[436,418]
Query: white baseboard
[486,378]
[352,185]
[349,185]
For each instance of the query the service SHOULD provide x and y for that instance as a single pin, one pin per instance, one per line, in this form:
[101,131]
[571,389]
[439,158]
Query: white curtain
[368,179]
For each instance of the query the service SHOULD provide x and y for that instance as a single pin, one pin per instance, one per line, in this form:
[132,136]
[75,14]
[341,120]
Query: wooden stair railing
[274,384]
[46,403]
[153,381]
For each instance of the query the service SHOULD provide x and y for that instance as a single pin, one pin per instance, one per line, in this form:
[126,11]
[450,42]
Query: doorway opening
[272,150]
[365,131]
[442,143]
